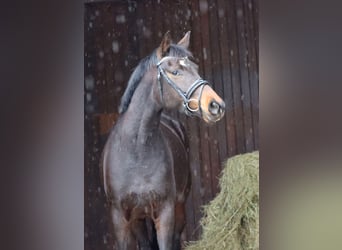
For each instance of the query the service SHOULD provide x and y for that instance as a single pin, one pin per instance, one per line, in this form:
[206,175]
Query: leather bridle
[186,96]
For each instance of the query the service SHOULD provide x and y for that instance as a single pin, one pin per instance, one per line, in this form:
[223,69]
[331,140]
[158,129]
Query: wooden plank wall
[224,39]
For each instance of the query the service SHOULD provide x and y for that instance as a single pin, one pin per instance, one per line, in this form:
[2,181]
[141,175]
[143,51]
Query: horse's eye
[175,73]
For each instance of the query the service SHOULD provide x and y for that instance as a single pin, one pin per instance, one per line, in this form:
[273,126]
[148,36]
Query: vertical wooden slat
[110,68]
[224,40]
[88,70]
[133,57]
[100,76]
[217,132]
[147,29]
[139,37]
[245,90]
[158,29]
[235,76]
[255,8]
[252,69]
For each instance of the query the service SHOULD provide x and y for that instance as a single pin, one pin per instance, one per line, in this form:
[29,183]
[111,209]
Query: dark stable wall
[224,39]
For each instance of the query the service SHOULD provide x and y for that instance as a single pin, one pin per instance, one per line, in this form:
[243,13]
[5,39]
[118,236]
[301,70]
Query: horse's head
[180,85]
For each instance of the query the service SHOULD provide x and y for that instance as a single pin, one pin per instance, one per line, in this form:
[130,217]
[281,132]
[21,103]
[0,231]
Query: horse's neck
[142,117]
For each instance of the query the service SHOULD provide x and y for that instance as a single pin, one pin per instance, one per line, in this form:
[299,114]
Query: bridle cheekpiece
[186,96]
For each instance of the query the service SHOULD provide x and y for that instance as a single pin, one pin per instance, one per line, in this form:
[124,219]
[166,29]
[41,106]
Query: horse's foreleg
[179,225]
[123,235]
[164,224]
[141,233]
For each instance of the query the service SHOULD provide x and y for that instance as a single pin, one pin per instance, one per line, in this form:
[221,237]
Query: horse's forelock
[179,51]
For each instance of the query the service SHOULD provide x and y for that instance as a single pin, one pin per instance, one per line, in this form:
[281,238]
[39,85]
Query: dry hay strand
[231,220]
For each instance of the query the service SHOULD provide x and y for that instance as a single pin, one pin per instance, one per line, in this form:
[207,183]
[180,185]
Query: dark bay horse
[145,167]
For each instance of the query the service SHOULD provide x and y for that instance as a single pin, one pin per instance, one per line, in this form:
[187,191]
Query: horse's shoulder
[175,127]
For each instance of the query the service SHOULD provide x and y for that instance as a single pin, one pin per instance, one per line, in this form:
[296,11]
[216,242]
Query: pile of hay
[231,220]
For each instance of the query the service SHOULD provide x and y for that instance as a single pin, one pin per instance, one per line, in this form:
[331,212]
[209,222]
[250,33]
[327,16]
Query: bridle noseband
[186,96]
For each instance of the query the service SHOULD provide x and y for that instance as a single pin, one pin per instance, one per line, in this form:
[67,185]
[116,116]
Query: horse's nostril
[214,108]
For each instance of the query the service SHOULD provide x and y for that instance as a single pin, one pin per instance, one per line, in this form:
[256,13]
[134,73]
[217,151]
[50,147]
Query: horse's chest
[152,155]
[141,172]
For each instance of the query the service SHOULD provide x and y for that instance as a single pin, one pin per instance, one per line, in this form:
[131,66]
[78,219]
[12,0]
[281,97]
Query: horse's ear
[164,45]
[185,41]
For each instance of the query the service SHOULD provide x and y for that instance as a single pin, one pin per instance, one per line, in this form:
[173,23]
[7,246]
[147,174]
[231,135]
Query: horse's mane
[145,65]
